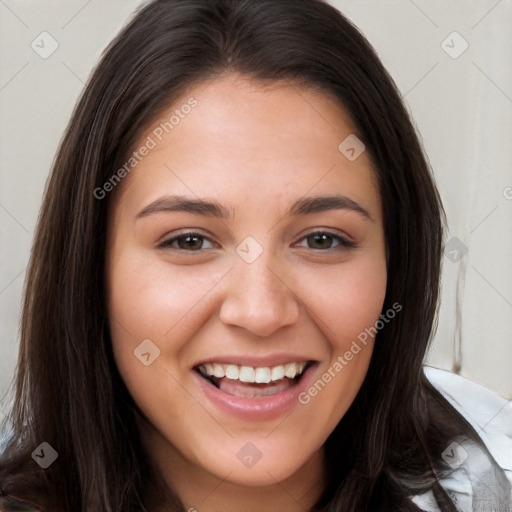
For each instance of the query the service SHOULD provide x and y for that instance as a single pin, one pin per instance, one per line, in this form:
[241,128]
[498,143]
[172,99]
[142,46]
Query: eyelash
[344,243]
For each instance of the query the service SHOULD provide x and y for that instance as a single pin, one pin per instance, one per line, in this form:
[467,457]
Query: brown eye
[320,241]
[324,241]
[192,242]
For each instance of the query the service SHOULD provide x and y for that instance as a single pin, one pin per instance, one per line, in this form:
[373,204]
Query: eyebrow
[316,204]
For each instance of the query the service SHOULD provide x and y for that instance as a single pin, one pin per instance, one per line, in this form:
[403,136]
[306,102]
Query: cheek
[360,300]
[345,299]
[149,299]
[346,302]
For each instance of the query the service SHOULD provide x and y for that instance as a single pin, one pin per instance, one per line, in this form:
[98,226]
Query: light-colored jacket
[481,480]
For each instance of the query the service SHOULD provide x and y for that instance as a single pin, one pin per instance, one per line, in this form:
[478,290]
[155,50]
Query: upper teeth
[258,374]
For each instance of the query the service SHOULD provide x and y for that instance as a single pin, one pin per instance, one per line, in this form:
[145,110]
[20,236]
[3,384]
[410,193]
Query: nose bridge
[260,277]
[257,296]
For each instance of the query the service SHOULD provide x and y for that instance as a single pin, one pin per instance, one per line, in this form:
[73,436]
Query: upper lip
[255,361]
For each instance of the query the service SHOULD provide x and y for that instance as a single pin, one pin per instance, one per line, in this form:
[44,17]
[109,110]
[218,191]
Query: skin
[255,148]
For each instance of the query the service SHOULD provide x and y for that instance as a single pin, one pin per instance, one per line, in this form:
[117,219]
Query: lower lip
[260,408]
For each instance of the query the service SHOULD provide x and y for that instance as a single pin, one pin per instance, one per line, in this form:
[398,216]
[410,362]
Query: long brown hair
[68,391]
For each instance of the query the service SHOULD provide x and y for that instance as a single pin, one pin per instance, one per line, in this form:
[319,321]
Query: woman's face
[244,248]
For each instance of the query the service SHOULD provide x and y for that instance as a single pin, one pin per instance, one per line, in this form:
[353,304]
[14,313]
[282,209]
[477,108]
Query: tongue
[253,390]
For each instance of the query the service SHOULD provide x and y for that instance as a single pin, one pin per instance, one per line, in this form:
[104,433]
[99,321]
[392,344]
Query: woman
[234,280]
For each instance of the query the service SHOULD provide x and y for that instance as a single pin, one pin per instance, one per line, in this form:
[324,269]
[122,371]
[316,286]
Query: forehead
[253,140]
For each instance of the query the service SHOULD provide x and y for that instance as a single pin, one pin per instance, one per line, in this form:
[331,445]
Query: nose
[258,298]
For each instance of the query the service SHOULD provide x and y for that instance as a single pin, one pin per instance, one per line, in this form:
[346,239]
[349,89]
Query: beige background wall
[460,98]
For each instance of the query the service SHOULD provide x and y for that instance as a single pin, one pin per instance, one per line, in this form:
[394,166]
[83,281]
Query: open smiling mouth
[253,381]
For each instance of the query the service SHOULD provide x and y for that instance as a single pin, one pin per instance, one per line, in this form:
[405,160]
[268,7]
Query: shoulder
[481,476]
[489,413]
